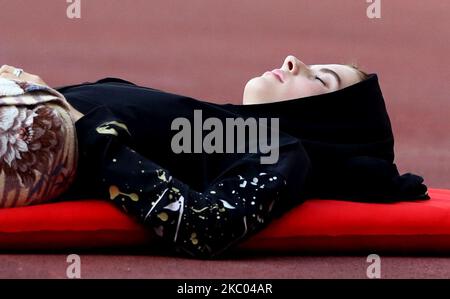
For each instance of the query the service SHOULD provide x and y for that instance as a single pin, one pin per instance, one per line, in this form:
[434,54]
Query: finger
[8,76]
[7,68]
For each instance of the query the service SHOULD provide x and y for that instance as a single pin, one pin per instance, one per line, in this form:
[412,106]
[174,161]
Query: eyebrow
[329,71]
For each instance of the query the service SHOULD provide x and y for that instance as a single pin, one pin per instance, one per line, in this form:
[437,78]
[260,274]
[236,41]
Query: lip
[279,74]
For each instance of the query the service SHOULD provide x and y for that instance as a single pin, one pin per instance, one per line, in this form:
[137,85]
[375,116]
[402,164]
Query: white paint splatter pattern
[201,224]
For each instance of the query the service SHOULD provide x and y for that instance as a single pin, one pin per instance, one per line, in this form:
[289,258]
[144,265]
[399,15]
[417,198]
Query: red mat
[317,225]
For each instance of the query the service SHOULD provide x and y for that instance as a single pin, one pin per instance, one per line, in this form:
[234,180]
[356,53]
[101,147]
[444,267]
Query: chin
[256,91]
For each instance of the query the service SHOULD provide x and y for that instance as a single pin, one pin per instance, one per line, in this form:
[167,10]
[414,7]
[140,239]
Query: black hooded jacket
[337,145]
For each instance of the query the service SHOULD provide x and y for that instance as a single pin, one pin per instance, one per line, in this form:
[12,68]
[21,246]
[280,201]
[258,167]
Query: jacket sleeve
[201,223]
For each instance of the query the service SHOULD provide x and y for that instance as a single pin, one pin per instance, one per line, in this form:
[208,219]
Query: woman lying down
[201,193]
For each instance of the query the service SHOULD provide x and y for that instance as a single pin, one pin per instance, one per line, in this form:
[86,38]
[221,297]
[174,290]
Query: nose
[293,65]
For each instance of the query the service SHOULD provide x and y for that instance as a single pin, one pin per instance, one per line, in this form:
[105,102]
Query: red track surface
[256,267]
[209,49]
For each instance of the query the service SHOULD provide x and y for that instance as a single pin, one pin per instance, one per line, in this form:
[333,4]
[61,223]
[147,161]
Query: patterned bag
[38,145]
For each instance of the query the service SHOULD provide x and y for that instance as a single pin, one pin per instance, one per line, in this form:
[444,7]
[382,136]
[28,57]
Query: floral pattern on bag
[38,146]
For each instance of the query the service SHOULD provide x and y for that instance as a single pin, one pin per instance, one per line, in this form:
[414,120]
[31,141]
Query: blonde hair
[362,75]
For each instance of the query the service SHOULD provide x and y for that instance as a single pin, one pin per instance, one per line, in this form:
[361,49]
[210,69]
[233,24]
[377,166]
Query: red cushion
[317,225]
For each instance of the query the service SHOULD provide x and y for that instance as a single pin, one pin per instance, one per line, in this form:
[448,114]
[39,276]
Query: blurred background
[210,49]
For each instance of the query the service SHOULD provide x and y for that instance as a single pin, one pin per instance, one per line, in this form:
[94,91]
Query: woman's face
[297,80]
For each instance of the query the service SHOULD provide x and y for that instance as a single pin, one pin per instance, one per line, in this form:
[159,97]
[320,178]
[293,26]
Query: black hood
[348,137]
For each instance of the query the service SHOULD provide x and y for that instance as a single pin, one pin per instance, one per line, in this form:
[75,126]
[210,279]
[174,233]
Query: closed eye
[323,82]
